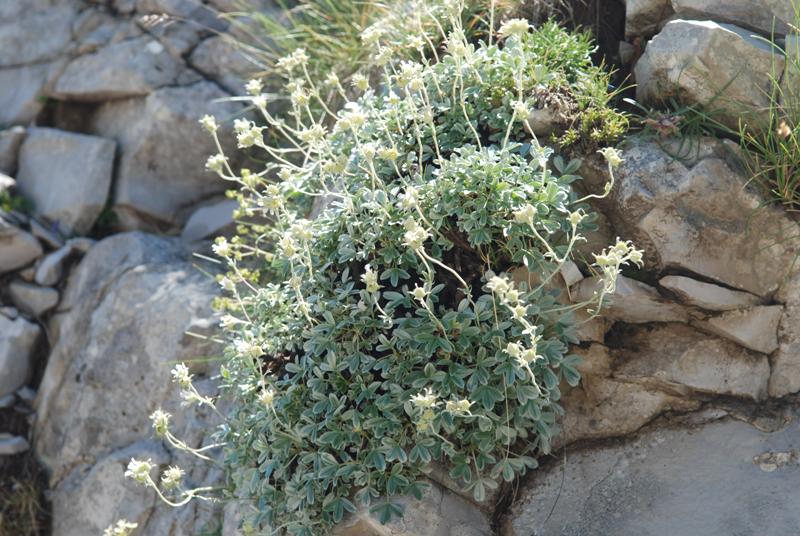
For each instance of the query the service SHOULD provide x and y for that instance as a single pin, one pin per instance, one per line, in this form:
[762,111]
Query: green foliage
[10,202]
[772,152]
[415,318]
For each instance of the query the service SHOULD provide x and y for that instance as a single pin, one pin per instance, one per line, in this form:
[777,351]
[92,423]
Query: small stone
[643,17]
[632,301]
[189,10]
[18,340]
[221,59]
[571,273]
[10,140]
[66,175]
[51,267]
[47,234]
[17,248]
[755,328]
[707,296]
[26,394]
[9,312]
[14,445]
[7,401]
[209,221]
[32,299]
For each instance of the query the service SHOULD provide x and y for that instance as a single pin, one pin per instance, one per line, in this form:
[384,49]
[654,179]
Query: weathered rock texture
[715,479]
[720,66]
[120,328]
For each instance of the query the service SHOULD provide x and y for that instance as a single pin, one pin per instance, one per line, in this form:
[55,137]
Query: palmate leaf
[386,511]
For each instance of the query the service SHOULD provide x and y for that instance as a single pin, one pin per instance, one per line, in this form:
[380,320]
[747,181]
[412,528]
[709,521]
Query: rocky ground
[685,422]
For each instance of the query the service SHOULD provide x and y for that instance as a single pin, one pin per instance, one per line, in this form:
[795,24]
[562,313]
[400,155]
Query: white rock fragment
[706,295]
[755,328]
[32,299]
[17,247]
[13,445]
[18,339]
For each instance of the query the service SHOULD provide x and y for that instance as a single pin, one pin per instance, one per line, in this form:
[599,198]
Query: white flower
[513,349]
[227,285]
[222,247]
[516,27]
[575,218]
[260,101]
[499,285]
[301,230]
[139,470]
[518,311]
[388,153]
[216,163]
[370,279]
[181,376]
[288,246]
[408,199]
[521,110]
[332,79]
[160,420]
[296,59]
[209,123]
[530,356]
[526,214]
[419,293]
[425,400]
[612,156]
[360,82]
[458,407]
[228,321]
[312,134]
[172,477]
[122,528]
[247,133]
[267,397]
[254,87]
[415,236]
[300,97]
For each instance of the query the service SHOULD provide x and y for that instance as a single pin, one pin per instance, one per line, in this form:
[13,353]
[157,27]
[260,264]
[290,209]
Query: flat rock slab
[126,69]
[711,480]
[66,175]
[706,295]
[679,359]
[755,328]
